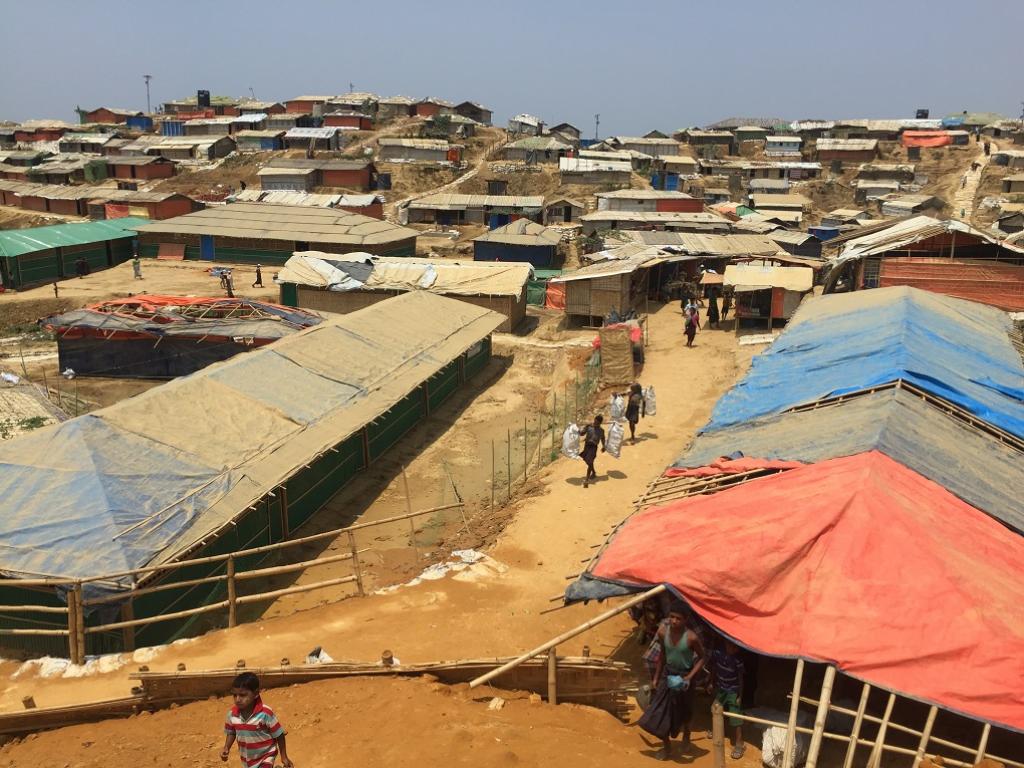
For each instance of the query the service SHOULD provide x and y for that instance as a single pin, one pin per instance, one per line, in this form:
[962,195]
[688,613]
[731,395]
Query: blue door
[206,250]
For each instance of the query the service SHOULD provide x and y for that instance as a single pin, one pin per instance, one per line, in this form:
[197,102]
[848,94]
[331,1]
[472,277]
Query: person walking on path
[137,268]
[727,673]
[681,658]
[593,435]
[713,310]
[726,304]
[636,406]
[692,325]
[258,282]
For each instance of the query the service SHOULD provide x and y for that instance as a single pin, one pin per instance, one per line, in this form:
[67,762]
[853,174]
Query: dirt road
[963,200]
[487,611]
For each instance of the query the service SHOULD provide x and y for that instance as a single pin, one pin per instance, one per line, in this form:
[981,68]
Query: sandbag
[613,443]
[652,409]
[571,442]
[617,407]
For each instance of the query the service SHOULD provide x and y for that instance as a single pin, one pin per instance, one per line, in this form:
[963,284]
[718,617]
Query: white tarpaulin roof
[754,277]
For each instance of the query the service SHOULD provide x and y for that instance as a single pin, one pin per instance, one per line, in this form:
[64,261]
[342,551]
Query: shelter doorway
[206,248]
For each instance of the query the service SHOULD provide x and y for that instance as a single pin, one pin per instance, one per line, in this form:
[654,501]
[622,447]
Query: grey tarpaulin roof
[144,481]
[899,424]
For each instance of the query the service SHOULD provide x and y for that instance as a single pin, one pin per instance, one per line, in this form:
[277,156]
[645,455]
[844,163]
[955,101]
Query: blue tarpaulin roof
[953,349]
[980,469]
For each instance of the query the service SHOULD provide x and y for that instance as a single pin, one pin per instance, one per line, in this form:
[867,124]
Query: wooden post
[554,419]
[576,393]
[526,455]
[552,675]
[983,743]
[356,567]
[408,510]
[926,734]
[876,751]
[492,475]
[60,403]
[508,456]
[46,386]
[128,633]
[858,720]
[80,623]
[76,396]
[232,593]
[789,756]
[285,532]
[72,626]
[718,733]
[819,719]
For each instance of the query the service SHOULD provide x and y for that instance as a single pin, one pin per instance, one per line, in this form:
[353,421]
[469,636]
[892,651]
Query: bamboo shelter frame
[141,578]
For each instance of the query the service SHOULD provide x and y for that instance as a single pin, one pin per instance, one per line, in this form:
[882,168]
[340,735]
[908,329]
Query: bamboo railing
[76,631]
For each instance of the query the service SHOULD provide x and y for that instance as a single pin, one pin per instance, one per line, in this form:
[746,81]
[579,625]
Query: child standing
[727,670]
[255,726]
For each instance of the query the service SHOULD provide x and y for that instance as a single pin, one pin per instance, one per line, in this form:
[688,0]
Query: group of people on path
[593,435]
[679,664]
[691,314]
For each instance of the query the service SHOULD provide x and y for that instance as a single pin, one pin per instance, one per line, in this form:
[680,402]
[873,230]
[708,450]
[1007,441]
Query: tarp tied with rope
[856,561]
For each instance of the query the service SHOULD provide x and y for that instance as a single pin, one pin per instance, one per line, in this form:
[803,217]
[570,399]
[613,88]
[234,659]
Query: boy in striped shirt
[254,725]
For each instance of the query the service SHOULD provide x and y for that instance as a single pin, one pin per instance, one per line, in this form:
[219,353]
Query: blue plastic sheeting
[971,464]
[99,482]
[953,349]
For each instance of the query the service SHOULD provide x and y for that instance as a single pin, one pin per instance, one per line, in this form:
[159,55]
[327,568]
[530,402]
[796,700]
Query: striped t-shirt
[256,735]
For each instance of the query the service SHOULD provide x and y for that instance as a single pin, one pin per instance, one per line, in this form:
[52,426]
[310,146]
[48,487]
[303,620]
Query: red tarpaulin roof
[856,561]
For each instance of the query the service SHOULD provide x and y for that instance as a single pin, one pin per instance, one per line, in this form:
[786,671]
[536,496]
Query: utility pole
[149,108]
[597,127]
[252,93]
[351,88]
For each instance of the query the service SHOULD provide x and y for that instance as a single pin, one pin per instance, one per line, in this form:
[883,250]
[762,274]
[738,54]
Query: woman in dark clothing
[713,310]
[726,304]
[681,659]
[636,407]
[592,436]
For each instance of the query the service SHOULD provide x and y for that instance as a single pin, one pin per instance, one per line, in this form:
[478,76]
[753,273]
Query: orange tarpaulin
[554,297]
[732,467]
[856,561]
[926,139]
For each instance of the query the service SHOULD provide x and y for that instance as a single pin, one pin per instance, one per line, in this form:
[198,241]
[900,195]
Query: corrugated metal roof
[847,145]
[678,160]
[452,202]
[284,222]
[438,144]
[659,217]
[591,165]
[526,119]
[307,199]
[324,165]
[310,133]
[270,134]
[608,268]
[700,244]
[522,232]
[644,194]
[784,140]
[285,171]
[539,143]
[16,242]
[901,233]
[782,201]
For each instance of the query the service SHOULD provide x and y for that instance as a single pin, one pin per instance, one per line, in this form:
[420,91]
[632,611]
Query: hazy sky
[641,65]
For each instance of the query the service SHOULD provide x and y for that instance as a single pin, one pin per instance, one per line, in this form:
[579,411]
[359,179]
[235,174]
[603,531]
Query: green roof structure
[15,242]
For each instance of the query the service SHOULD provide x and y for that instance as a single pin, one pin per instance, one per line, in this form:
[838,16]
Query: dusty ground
[15,218]
[494,612]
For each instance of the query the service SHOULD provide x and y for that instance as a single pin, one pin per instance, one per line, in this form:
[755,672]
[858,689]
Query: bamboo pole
[72,630]
[80,623]
[718,734]
[821,715]
[39,632]
[408,511]
[789,755]
[357,570]
[576,395]
[128,633]
[876,751]
[295,590]
[552,675]
[922,745]
[508,456]
[492,475]
[568,635]
[983,744]
[279,569]
[232,594]
[158,618]
[116,598]
[858,720]
[554,418]
[526,441]
[33,608]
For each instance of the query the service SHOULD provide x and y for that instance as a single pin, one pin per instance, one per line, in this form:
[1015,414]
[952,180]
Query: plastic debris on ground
[464,564]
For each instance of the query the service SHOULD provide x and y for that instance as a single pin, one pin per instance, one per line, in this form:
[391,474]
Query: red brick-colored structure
[108,115]
[355,120]
[145,168]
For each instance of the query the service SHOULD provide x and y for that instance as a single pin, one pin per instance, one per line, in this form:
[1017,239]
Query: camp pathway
[484,613]
[964,199]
